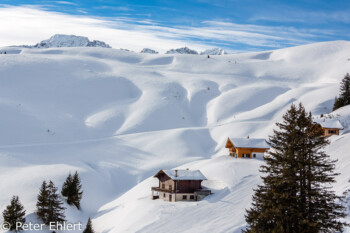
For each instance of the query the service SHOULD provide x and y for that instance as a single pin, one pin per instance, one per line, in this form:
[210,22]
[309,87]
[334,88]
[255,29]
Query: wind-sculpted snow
[118,117]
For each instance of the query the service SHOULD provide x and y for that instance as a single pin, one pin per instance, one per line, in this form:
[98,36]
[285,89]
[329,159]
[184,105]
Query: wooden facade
[329,132]
[329,126]
[245,151]
[178,189]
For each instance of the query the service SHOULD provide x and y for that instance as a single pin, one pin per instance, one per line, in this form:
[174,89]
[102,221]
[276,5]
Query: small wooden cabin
[247,147]
[180,185]
[330,126]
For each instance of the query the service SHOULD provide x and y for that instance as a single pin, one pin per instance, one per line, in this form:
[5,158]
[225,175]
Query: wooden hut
[247,147]
[330,126]
[180,185]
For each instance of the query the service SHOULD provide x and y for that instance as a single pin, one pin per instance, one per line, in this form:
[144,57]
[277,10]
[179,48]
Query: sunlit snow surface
[119,117]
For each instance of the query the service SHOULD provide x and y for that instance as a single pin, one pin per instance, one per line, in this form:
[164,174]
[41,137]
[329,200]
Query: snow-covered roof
[329,123]
[249,143]
[184,174]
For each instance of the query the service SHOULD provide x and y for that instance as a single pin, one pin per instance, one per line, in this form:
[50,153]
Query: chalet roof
[250,143]
[183,174]
[329,123]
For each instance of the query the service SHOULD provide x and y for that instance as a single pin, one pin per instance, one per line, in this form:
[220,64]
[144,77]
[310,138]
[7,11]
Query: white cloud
[66,3]
[29,25]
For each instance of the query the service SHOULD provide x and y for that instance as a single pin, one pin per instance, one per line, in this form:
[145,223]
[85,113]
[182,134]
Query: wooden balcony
[157,189]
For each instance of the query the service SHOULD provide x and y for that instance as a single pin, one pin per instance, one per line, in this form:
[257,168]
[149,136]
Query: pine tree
[49,205]
[66,186]
[42,204]
[345,89]
[296,195]
[77,193]
[71,189]
[338,103]
[344,96]
[14,213]
[89,228]
[56,210]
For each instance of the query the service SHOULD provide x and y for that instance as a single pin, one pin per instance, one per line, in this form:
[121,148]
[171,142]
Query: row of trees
[296,194]
[49,203]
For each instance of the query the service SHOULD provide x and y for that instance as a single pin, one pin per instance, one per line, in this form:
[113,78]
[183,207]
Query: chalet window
[332,131]
[248,155]
[243,155]
[163,186]
[184,197]
[254,155]
[163,194]
[170,187]
[192,197]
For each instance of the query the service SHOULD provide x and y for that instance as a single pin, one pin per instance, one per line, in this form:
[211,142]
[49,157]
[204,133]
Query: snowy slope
[118,117]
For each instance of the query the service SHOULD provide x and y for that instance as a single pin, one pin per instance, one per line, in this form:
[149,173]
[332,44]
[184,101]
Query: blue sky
[245,25]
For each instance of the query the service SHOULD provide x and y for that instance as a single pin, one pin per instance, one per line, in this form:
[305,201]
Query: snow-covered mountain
[60,40]
[214,51]
[147,50]
[118,117]
[183,50]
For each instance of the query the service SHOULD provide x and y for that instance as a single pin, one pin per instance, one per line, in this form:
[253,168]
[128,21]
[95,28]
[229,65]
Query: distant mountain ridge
[214,51]
[147,50]
[60,40]
[184,50]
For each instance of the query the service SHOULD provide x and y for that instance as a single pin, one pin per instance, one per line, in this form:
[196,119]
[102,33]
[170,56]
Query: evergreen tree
[77,193]
[296,195]
[344,96]
[42,204]
[88,228]
[56,210]
[345,89]
[338,103]
[71,189]
[49,205]
[67,186]
[14,213]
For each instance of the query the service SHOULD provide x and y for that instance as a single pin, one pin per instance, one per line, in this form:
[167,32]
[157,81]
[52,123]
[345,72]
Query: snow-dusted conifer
[67,185]
[344,96]
[42,202]
[14,213]
[49,205]
[296,193]
[71,189]
[89,228]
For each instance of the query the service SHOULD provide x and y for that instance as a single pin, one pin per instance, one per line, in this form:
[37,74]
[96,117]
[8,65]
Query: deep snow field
[117,117]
